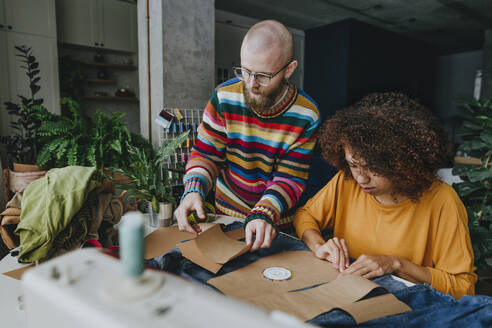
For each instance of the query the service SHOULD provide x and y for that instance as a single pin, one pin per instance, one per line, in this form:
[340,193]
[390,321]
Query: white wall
[455,78]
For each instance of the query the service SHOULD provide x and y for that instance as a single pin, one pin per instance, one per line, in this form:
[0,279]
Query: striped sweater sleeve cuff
[193,185]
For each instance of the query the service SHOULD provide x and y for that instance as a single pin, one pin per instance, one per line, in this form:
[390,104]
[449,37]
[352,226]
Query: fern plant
[77,140]
[65,138]
[476,189]
[144,172]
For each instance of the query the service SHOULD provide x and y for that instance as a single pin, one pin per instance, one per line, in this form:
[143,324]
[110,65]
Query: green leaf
[72,154]
[116,145]
[480,174]
[91,155]
[466,188]
[168,147]
[474,145]
[486,137]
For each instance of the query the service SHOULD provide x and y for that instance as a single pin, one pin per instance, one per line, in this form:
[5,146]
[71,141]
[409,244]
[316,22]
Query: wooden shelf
[111,98]
[108,65]
[100,81]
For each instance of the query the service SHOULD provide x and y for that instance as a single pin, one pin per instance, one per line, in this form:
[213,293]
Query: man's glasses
[262,79]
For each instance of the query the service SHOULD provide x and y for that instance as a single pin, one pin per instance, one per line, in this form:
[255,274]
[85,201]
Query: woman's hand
[371,266]
[334,250]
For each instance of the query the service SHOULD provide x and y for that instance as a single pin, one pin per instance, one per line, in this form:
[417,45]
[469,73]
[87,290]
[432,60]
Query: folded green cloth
[48,206]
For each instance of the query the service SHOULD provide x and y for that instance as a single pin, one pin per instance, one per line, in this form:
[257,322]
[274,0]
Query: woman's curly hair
[393,135]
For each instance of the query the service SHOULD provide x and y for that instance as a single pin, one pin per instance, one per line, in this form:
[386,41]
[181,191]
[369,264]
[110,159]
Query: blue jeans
[430,307]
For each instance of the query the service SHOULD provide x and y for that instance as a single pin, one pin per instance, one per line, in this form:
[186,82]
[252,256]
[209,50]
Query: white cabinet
[119,25]
[4,85]
[46,53]
[108,24]
[31,16]
[32,24]
[77,21]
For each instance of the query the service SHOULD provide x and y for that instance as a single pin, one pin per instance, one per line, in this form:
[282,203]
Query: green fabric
[48,206]
[76,232]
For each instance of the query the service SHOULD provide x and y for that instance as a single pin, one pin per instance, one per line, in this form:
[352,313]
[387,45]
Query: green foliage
[145,173]
[22,146]
[476,190]
[77,140]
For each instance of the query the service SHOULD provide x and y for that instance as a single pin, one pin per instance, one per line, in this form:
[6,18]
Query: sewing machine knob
[161,310]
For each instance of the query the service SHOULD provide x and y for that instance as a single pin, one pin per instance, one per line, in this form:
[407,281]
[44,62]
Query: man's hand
[265,233]
[371,266]
[191,202]
[334,250]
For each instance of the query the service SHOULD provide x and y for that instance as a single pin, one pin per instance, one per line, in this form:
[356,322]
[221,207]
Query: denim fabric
[430,307]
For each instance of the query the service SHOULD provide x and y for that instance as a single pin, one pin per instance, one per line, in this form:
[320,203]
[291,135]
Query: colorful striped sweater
[260,164]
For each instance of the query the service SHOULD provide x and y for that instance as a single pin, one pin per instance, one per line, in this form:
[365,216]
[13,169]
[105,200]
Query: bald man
[255,141]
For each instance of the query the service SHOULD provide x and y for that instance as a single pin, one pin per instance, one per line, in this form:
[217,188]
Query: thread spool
[135,284]
[131,237]
[208,208]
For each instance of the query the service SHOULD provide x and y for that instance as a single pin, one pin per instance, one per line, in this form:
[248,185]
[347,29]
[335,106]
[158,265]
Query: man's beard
[262,102]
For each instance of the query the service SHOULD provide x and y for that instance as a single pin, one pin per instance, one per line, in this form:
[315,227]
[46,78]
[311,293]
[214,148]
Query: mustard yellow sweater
[432,232]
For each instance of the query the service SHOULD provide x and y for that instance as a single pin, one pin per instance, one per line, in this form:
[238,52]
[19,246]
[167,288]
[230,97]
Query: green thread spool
[131,236]
[193,217]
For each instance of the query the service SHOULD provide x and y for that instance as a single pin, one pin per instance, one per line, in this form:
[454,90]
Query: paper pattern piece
[248,282]
[310,303]
[375,307]
[218,246]
[164,239]
[212,249]
[17,273]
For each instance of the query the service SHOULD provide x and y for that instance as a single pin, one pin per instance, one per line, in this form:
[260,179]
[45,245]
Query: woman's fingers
[346,252]
[341,254]
[334,253]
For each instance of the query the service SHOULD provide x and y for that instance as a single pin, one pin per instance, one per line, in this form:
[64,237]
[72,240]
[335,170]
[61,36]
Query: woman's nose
[362,177]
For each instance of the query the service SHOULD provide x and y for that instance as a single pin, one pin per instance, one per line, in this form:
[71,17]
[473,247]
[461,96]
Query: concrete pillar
[487,66]
[182,56]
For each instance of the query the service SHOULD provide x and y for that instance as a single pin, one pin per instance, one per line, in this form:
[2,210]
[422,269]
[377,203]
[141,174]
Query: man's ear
[291,68]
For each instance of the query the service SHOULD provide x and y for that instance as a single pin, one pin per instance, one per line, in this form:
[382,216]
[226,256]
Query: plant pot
[18,181]
[163,218]
[165,214]
[22,175]
[26,168]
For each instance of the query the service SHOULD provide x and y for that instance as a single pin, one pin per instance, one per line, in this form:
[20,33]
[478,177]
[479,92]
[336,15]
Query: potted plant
[147,183]
[476,189]
[22,146]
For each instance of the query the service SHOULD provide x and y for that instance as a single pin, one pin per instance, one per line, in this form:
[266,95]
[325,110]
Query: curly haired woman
[386,206]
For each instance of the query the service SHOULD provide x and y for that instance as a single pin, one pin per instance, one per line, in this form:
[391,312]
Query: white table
[12,313]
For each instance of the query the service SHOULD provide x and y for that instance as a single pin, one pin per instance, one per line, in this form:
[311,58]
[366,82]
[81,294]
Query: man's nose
[251,83]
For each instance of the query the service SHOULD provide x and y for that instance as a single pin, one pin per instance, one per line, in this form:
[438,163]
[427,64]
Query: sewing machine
[72,291]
